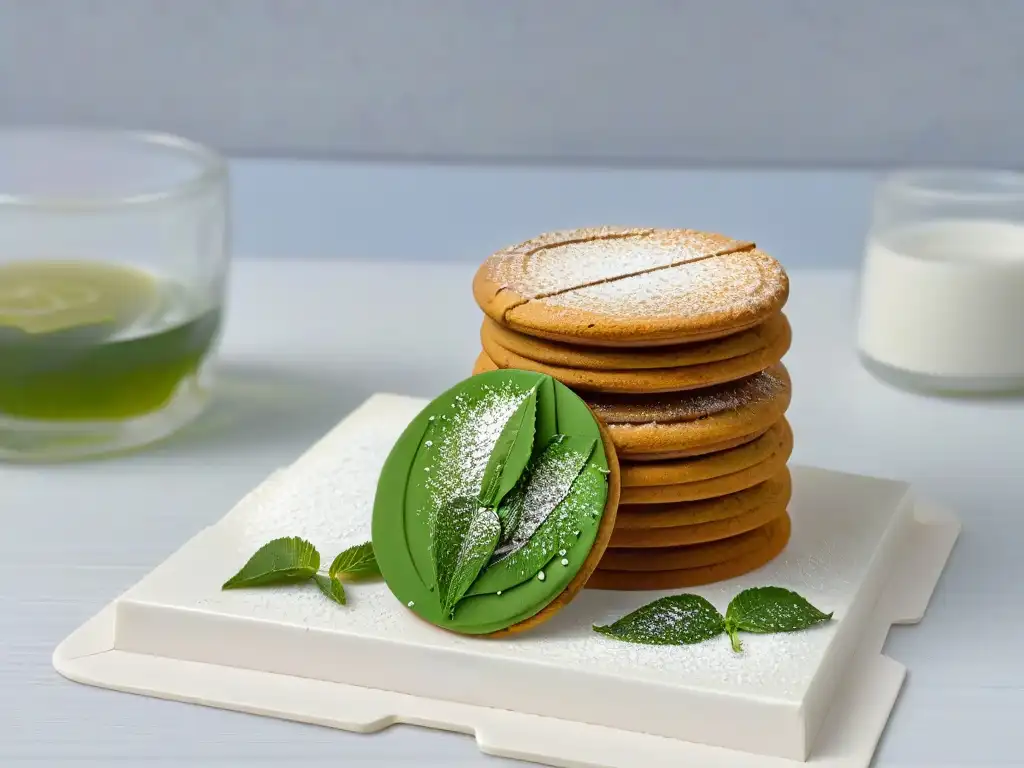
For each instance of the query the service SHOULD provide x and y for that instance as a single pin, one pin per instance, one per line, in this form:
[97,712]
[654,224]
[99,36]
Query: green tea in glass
[113,259]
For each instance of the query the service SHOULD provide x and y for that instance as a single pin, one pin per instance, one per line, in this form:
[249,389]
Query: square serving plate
[865,548]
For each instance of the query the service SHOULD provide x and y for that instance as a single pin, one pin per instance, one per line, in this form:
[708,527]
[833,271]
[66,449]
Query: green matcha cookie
[495,504]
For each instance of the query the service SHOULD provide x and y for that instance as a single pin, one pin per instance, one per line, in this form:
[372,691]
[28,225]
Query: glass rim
[212,167]
[922,183]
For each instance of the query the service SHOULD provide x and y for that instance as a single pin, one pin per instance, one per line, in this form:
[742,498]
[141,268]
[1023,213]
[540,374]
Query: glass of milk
[942,289]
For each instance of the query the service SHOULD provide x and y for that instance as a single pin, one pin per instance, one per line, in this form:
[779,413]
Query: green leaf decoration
[281,561]
[767,610]
[547,413]
[510,513]
[356,563]
[331,587]
[553,539]
[673,620]
[477,548]
[465,537]
[511,452]
[550,478]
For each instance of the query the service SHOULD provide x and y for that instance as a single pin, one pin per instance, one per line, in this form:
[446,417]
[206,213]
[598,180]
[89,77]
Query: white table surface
[308,340]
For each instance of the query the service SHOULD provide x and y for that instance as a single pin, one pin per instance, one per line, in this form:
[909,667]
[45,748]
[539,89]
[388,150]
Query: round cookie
[615,286]
[604,358]
[697,422]
[649,380]
[496,504]
[698,451]
[696,534]
[709,465]
[772,494]
[661,428]
[692,555]
[683,578]
[712,487]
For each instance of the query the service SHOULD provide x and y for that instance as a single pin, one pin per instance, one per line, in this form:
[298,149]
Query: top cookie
[614,286]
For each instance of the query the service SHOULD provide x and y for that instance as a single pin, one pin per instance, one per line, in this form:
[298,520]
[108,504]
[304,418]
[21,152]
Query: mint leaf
[550,478]
[673,620]
[553,538]
[331,587]
[281,561]
[465,535]
[766,610]
[356,563]
[511,452]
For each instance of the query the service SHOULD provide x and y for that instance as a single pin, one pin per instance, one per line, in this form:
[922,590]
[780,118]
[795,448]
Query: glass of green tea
[113,260]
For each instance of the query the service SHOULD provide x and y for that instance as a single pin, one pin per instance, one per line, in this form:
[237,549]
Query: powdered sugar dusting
[689,406]
[733,284]
[550,480]
[840,523]
[463,438]
[561,261]
[325,497]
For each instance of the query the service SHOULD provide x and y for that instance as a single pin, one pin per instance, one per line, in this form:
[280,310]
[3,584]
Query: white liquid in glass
[945,300]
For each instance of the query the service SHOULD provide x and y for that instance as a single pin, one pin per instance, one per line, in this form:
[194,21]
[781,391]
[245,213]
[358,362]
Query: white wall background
[861,82]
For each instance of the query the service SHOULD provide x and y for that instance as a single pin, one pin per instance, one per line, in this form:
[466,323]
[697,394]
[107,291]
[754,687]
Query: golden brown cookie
[697,451]
[712,487]
[615,286]
[648,380]
[642,425]
[604,534]
[773,494]
[694,577]
[697,534]
[483,364]
[605,358]
[665,427]
[693,555]
[710,465]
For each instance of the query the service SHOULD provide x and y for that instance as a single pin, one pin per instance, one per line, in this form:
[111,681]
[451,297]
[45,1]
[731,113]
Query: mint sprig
[688,619]
[293,560]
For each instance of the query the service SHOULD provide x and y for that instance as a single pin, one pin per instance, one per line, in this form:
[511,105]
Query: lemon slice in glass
[38,297]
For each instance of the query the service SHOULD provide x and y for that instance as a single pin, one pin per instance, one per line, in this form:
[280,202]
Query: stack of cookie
[675,339]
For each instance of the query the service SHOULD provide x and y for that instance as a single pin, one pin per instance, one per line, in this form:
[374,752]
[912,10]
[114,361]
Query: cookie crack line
[740,247]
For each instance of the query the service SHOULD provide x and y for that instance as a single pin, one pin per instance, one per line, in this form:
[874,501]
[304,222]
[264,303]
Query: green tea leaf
[465,535]
[549,479]
[331,587]
[511,452]
[553,538]
[510,512]
[281,561]
[673,620]
[547,412]
[356,563]
[477,548]
[766,610]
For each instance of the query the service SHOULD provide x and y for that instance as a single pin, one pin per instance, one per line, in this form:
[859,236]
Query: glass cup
[942,289]
[113,260]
